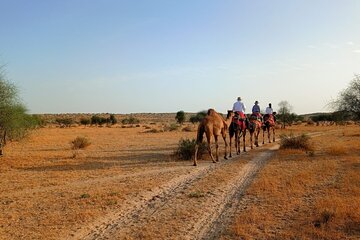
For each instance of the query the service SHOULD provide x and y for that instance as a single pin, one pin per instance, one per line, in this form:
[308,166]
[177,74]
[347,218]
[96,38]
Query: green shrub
[198,117]
[112,119]
[130,120]
[97,120]
[186,149]
[171,127]
[295,142]
[180,117]
[64,122]
[80,143]
[85,121]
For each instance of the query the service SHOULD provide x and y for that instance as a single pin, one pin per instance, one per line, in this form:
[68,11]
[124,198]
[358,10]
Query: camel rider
[256,110]
[239,108]
[270,111]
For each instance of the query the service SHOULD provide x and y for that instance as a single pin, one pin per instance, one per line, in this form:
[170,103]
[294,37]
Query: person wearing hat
[239,110]
[256,107]
[239,106]
[256,110]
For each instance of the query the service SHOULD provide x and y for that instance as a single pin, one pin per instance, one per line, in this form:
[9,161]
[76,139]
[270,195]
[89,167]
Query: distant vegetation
[348,101]
[130,120]
[14,120]
[180,117]
[198,117]
[98,120]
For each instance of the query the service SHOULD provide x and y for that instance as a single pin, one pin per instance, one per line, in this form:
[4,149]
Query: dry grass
[47,194]
[298,196]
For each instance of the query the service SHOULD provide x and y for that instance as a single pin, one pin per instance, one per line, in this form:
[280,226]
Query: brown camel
[237,128]
[254,129]
[212,125]
[269,123]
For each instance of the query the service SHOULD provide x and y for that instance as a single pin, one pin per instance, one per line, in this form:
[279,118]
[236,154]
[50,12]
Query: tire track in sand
[153,202]
[150,201]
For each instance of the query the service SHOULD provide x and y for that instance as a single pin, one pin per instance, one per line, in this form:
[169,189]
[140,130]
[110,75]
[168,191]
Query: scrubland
[50,191]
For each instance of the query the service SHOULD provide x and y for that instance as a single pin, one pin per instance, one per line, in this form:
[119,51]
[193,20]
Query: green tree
[14,121]
[198,117]
[180,117]
[112,119]
[284,113]
[349,99]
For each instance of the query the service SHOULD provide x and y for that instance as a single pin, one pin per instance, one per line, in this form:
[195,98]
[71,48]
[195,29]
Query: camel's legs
[273,134]
[251,139]
[217,148]
[230,144]
[196,152]
[209,149]
[226,145]
[263,136]
[244,135]
[238,136]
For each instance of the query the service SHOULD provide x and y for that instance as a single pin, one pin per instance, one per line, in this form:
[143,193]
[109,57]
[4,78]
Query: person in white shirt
[239,106]
[269,109]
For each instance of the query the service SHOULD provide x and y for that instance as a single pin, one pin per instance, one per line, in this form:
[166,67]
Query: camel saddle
[239,119]
[269,118]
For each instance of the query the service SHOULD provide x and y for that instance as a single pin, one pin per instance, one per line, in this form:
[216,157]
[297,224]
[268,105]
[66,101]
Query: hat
[256,102]
[239,98]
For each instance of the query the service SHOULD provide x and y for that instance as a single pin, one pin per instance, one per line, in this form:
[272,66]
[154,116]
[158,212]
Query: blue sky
[89,56]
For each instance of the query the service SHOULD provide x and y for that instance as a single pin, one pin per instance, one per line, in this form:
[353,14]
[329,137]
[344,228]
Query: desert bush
[180,117]
[85,121]
[97,120]
[65,122]
[112,119]
[198,117]
[186,149]
[295,142]
[80,143]
[130,120]
[171,127]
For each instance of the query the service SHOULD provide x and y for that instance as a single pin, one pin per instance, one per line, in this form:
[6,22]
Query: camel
[254,129]
[237,128]
[269,123]
[212,125]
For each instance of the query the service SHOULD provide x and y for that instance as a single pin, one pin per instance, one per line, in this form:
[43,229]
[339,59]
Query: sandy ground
[125,185]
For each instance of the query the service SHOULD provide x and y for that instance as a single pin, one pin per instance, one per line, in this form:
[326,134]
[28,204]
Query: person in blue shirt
[256,107]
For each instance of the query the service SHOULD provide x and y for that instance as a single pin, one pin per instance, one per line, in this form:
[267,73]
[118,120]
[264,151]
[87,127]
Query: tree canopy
[284,113]
[13,118]
[349,99]
[180,117]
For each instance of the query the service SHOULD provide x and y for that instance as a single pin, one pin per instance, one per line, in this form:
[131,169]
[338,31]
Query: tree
[349,99]
[198,117]
[180,117]
[14,121]
[112,119]
[284,113]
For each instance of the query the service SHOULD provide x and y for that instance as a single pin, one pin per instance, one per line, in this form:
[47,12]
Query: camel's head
[230,114]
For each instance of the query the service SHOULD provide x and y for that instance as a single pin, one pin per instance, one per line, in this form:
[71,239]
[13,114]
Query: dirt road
[195,204]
